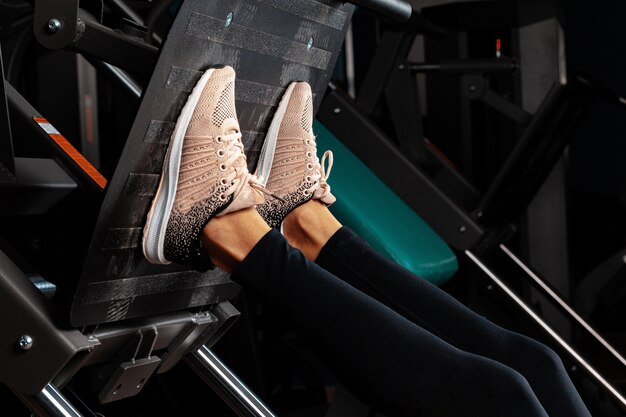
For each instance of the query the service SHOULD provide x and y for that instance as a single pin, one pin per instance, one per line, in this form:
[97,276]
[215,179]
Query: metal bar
[404,105]
[391,48]
[47,288]
[398,10]
[563,304]
[349,60]
[468,66]
[506,108]
[117,75]
[115,48]
[6,139]
[535,156]
[49,403]
[88,110]
[553,334]
[23,121]
[124,10]
[226,384]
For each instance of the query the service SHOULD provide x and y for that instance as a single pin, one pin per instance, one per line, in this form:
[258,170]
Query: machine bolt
[337,110]
[54,25]
[25,342]
[309,45]
[229,19]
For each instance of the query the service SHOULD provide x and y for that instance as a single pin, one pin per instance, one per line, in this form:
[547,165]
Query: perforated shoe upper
[213,176]
[296,174]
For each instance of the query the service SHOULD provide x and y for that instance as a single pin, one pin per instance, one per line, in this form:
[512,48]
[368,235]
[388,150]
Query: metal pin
[229,19]
[310,44]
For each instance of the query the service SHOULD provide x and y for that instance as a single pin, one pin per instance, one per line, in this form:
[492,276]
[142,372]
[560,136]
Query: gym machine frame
[37,376]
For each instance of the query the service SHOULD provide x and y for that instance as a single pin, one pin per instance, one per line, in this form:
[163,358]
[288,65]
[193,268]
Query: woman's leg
[313,229]
[393,364]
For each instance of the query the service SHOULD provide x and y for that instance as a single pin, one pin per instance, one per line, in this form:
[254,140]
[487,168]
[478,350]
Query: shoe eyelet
[222,167]
[307,178]
[308,142]
[309,154]
[309,166]
[224,181]
[218,139]
[306,192]
[222,197]
[220,153]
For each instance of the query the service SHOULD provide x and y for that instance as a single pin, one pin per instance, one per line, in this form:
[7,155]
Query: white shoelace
[321,175]
[234,150]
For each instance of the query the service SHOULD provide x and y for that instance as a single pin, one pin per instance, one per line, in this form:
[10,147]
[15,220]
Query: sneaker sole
[266,157]
[159,214]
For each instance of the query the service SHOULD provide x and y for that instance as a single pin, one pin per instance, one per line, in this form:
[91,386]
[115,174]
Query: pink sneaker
[288,164]
[204,174]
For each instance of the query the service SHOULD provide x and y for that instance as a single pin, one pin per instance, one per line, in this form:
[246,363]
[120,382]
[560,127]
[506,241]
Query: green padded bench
[373,211]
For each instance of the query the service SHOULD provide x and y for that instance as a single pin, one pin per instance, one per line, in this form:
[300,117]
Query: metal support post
[553,334]
[226,384]
[49,403]
[6,142]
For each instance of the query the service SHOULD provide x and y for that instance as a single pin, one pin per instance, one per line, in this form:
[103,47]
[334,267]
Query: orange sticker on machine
[71,151]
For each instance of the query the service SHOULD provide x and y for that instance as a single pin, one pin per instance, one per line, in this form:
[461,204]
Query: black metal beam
[404,107]
[536,154]
[392,49]
[61,24]
[411,184]
[468,66]
[24,119]
[116,48]
[397,10]
[6,138]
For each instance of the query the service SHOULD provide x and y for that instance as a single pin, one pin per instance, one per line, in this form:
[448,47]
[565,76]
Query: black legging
[430,357]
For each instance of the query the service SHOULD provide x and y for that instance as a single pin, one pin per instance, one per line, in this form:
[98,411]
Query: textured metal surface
[270,44]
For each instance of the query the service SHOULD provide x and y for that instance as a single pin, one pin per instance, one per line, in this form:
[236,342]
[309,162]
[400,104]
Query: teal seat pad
[374,212]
